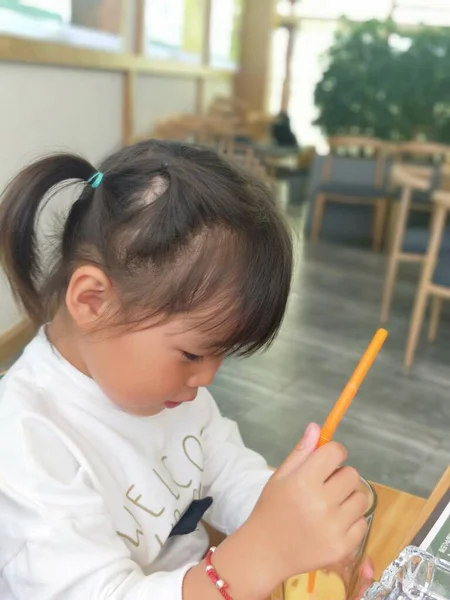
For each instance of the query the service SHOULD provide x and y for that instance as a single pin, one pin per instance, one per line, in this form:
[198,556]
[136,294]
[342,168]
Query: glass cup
[340,581]
[413,574]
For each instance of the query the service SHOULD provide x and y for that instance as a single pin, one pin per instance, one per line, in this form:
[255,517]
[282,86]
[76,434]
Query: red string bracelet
[212,574]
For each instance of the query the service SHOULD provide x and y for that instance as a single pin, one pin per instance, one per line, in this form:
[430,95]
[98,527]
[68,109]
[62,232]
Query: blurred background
[343,109]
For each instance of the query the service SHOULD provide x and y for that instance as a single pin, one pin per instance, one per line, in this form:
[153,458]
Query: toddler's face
[147,371]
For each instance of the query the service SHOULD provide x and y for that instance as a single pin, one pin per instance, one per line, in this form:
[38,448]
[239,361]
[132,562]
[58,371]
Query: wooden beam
[13,340]
[287,83]
[128,104]
[206,55]
[253,78]
[20,50]
[139,36]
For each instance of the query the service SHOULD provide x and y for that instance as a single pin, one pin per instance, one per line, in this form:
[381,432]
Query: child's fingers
[342,484]
[304,448]
[356,533]
[325,460]
[353,508]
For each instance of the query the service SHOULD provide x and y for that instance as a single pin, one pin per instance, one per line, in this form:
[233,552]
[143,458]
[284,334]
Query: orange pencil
[344,401]
[352,387]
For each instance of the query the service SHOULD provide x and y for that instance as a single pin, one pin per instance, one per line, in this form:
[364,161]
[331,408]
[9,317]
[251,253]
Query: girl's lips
[175,404]
[172,404]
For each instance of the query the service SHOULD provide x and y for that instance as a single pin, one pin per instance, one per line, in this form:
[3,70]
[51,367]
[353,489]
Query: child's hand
[310,514]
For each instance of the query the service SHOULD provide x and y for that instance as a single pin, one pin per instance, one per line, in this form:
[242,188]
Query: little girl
[111,449]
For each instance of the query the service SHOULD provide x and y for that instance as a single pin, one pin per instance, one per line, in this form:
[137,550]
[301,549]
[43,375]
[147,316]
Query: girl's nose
[205,373]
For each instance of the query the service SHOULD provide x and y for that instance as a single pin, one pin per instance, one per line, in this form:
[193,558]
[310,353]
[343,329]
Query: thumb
[302,450]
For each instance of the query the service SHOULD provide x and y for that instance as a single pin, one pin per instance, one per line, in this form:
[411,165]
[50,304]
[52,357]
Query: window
[334,9]
[318,23]
[90,23]
[226,16]
[174,29]
[313,40]
[427,12]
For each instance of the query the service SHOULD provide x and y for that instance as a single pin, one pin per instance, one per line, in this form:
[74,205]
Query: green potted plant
[387,82]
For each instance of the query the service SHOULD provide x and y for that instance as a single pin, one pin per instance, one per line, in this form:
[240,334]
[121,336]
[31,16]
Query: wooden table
[398,518]
[394,518]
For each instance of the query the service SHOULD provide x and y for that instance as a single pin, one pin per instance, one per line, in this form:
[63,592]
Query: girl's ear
[89,296]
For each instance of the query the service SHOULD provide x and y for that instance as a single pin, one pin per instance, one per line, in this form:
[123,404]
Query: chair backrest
[223,106]
[424,154]
[421,152]
[356,147]
[219,129]
[184,127]
[413,177]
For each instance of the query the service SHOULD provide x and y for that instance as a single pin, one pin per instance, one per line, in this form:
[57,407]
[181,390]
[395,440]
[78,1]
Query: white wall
[158,96]
[48,109]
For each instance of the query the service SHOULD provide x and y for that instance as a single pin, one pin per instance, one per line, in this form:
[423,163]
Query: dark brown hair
[175,227]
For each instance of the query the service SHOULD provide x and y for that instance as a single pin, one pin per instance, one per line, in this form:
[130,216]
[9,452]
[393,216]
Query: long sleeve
[58,539]
[89,494]
[78,558]
[233,474]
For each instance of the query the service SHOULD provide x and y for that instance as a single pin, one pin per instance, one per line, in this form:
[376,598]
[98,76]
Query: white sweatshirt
[89,494]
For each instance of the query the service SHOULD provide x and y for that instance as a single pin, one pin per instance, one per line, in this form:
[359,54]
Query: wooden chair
[409,244]
[372,194]
[188,127]
[435,278]
[228,107]
[405,248]
[434,156]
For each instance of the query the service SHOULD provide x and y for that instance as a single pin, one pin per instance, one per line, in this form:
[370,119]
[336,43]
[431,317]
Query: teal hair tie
[96,179]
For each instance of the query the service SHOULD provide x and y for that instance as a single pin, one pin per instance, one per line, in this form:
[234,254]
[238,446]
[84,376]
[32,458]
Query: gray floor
[397,430]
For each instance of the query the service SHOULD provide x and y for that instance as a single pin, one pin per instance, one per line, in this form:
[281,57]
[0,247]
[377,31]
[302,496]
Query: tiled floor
[398,429]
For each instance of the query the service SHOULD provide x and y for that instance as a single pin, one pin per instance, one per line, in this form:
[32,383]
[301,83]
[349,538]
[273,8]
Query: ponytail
[19,207]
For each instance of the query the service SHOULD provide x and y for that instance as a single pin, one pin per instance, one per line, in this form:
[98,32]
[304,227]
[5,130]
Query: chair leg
[319,208]
[389,284]
[436,307]
[379,223]
[416,325]
[437,228]
[397,243]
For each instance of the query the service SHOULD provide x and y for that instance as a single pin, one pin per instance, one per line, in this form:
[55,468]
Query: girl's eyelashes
[192,357]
